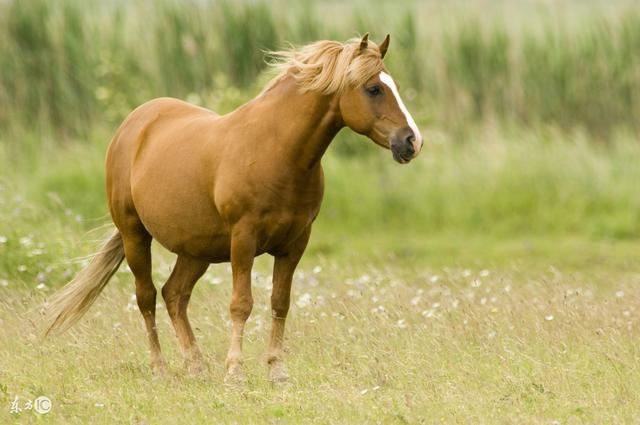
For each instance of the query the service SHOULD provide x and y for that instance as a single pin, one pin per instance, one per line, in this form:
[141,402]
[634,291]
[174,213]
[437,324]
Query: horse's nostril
[410,139]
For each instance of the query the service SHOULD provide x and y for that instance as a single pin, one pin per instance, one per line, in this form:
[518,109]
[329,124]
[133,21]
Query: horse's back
[129,140]
[158,170]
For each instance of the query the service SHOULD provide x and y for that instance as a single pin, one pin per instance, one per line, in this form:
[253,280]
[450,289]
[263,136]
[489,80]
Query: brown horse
[216,188]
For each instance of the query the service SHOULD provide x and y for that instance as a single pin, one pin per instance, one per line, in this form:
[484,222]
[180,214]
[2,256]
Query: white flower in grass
[507,288]
[317,269]
[619,294]
[304,300]
[22,268]
[4,282]
[466,273]
[401,323]
[475,283]
[428,313]
[484,273]
[434,279]
[415,300]
[35,252]
[548,317]
[26,241]
[42,286]
[3,239]
[378,309]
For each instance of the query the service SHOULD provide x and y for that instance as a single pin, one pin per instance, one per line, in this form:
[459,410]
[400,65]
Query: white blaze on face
[388,81]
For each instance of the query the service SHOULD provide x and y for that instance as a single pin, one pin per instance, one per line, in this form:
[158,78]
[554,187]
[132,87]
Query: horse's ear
[364,43]
[384,46]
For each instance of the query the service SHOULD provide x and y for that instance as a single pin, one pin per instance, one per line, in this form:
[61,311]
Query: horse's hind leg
[137,249]
[176,293]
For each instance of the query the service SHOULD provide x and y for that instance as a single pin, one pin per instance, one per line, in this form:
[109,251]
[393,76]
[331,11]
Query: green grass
[378,342]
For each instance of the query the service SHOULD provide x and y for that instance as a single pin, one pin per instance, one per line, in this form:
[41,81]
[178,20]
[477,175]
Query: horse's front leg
[243,249]
[283,269]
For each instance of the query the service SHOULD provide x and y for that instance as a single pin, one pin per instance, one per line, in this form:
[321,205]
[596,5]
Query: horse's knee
[241,307]
[280,307]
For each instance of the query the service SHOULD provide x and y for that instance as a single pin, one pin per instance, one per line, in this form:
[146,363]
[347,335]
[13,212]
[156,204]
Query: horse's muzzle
[404,145]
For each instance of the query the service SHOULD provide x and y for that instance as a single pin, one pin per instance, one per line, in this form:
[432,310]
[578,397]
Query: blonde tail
[71,302]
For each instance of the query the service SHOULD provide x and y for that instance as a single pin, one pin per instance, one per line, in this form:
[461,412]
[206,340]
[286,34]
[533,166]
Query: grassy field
[377,341]
[395,319]
[492,280]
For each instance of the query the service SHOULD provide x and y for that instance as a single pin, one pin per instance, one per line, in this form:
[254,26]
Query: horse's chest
[276,229]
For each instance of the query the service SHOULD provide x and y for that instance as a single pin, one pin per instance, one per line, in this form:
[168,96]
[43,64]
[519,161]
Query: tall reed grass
[71,65]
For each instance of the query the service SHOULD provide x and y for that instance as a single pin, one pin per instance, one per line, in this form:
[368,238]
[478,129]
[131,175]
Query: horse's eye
[374,91]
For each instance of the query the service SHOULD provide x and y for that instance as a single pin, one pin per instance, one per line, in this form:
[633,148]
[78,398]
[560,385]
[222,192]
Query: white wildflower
[304,300]
[26,241]
[378,309]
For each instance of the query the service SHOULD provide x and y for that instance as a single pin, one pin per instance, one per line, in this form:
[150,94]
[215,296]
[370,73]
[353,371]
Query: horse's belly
[184,224]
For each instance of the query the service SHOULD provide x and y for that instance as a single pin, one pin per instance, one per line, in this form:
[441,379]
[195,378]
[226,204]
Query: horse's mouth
[401,159]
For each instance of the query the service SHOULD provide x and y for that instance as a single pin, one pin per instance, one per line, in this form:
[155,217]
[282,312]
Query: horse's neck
[302,124]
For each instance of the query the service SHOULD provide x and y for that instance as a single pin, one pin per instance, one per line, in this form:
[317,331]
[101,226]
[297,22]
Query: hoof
[195,369]
[235,378]
[159,369]
[278,373]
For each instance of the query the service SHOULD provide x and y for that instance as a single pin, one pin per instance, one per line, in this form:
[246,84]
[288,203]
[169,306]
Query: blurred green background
[530,110]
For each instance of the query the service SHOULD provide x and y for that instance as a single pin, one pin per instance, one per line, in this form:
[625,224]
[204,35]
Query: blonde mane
[326,66]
